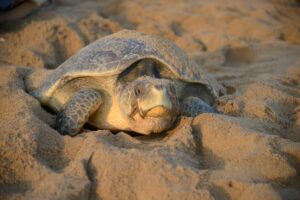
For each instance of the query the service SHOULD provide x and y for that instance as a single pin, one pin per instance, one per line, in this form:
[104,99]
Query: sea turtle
[125,81]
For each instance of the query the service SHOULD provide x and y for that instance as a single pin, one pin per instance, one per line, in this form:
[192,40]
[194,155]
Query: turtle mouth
[155,112]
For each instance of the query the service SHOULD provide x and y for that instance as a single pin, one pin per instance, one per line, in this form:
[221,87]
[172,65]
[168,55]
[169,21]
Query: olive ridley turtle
[126,81]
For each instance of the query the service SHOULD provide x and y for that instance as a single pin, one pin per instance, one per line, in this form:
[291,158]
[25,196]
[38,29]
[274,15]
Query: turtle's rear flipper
[77,112]
[193,106]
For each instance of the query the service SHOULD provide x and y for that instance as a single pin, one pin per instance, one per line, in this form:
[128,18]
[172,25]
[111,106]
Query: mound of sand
[252,151]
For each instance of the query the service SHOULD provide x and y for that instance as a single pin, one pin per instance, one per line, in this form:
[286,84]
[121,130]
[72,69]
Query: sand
[251,49]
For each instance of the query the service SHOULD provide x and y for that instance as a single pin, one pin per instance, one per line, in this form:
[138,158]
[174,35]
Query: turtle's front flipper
[193,106]
[76,113]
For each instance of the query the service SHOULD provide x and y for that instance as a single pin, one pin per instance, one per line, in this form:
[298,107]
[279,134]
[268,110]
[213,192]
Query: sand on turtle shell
[252,151]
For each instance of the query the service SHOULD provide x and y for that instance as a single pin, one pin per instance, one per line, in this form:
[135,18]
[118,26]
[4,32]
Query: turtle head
[151,104]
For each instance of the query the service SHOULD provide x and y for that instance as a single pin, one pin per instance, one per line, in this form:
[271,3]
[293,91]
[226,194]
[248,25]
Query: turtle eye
[140,88]
[137,91]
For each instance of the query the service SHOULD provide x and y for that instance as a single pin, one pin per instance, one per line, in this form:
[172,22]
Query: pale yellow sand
[252,49]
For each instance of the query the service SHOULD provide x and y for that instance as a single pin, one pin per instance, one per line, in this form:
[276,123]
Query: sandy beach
[249,49]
